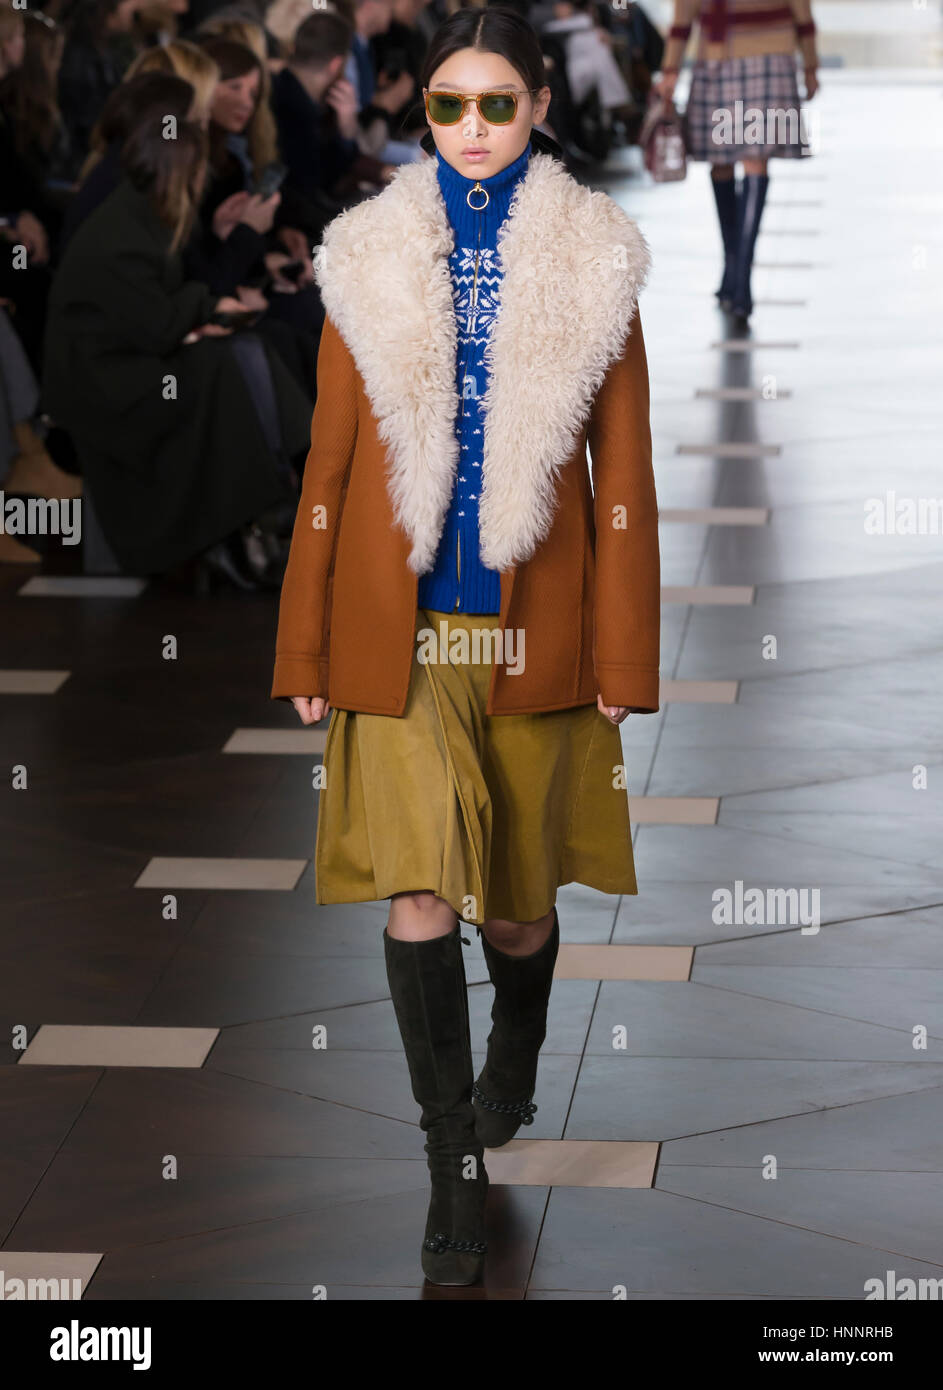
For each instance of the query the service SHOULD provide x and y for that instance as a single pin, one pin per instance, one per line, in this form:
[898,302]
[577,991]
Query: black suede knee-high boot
[726,196]
[428,989]
[502,1095]
[751,212]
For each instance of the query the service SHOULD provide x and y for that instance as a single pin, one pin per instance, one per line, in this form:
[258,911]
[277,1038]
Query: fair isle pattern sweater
[741,29]
[458,580]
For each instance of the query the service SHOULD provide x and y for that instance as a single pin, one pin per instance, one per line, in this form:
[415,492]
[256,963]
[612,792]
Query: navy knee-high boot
[751,210]
[727,198]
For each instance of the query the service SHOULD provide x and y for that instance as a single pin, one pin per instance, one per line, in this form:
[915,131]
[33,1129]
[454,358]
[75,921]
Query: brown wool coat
[579,564]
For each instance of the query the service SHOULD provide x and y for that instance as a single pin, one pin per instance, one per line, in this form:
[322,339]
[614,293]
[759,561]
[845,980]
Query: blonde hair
[186,60]
[262,133]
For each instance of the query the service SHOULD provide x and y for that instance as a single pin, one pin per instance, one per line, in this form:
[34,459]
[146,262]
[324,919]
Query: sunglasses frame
[477,98]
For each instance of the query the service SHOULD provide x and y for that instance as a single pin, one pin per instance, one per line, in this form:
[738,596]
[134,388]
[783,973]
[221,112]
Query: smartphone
[394,63]
[270,180]
[234,320]
[291,270]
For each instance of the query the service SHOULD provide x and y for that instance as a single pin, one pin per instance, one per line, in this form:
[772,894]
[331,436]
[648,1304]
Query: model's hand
[665,84]
[311,711]
[811,83]
[614,713]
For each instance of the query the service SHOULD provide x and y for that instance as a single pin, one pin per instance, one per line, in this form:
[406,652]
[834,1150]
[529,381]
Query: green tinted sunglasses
[448,108]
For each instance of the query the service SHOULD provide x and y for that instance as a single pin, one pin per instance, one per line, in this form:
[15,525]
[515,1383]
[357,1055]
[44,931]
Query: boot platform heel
[429,994]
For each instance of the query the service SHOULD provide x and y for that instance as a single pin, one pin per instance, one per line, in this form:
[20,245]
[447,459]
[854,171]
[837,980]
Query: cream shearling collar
[574,263]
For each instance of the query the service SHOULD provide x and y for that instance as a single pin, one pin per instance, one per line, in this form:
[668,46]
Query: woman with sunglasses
[477,618]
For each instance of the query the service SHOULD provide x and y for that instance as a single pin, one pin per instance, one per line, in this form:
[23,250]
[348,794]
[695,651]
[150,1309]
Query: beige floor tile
[716,516]
[674,810]
[78,1045]
[751,345]
[698,692]
[265,874]
[605,962]
[708,593]
[32,682]
[573,1163]
[301,740]
[741,450]
[738,393]
[81,586]
[57,1274]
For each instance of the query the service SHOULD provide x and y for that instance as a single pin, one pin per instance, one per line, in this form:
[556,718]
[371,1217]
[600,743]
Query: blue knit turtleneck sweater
[459,581]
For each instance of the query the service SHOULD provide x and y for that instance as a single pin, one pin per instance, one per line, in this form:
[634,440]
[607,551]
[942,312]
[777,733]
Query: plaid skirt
[490,812]
[745,108]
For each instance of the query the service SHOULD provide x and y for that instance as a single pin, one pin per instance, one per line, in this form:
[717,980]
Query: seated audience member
[590,64]
[133,101]
[245,22]
[157,22]
[99,46]
[380,95]
[25,465]
[316,111]
[243,153]
[185,430]
[186,60]
[25,253]
[402,48]
[29,100]
[12,38]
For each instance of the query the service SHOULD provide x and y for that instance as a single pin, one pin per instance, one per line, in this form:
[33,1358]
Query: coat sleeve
[304,617]
[628,569]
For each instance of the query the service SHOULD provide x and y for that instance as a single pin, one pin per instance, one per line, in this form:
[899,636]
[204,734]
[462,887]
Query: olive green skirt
[490,812]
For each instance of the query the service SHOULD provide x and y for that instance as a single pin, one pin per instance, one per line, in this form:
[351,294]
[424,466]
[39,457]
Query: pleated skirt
[745,108]
[490,812]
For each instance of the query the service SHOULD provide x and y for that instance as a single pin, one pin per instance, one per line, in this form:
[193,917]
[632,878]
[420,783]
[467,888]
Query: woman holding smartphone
[475,617]
[157,397]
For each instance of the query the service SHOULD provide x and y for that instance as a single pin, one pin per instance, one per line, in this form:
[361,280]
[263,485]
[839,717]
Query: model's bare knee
[518,938]
[419,916]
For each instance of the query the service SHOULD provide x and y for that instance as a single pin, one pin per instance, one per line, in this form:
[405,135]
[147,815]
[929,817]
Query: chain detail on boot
[525,1108]
[439,1242]
[502,1094]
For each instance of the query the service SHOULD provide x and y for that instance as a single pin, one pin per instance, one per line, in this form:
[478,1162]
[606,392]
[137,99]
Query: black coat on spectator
[168,477]
[316,153]
[88,74]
